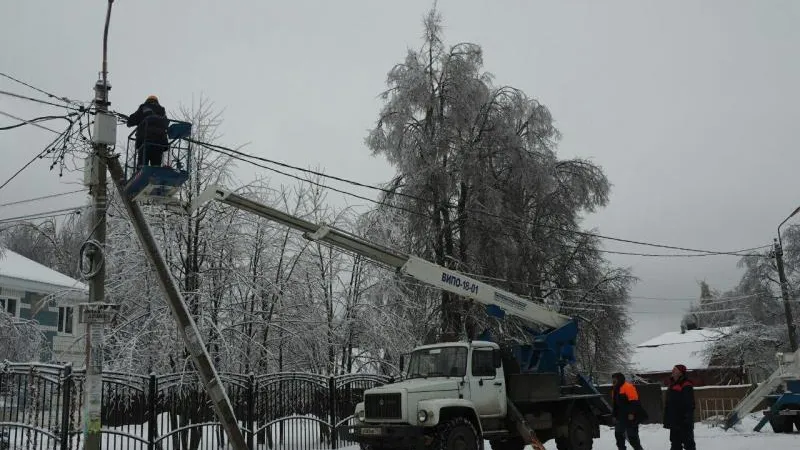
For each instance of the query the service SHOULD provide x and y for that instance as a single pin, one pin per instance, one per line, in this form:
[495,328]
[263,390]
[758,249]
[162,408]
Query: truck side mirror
[402,362]
[497,358]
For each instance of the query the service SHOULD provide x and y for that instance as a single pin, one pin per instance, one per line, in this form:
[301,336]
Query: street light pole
[787,307]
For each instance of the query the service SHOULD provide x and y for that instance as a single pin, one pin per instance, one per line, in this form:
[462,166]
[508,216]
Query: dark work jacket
[625,401]
[151,123]
[679,405]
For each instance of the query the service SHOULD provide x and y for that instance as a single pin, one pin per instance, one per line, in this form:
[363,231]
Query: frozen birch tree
[757,317]
[484,191]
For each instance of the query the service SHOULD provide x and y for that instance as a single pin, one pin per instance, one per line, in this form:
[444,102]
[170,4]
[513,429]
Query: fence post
[250,419]
[152,406]
[66,408]
[332,397]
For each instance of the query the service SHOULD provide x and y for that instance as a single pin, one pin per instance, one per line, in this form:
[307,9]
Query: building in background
[31,291]
[653,360]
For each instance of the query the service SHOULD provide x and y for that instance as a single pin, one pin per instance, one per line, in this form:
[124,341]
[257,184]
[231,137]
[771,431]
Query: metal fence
[41,407]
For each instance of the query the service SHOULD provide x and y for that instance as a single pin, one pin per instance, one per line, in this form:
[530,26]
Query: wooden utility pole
[787,307]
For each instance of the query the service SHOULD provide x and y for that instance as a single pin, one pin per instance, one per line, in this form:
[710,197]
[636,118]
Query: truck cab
[459,385]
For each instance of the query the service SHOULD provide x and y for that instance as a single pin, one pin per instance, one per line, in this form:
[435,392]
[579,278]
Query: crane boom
[788,369]
[429,273]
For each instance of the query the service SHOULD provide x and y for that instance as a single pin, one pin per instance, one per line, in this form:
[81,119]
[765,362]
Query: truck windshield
[438,362]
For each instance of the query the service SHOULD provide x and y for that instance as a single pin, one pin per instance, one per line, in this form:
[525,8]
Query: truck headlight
[361,415]
[422,415]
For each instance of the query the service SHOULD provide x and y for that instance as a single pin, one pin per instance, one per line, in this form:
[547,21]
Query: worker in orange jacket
[627,410]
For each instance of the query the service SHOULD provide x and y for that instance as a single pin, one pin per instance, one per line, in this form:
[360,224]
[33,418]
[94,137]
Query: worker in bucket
[627,411]
[679,410]
[151,123]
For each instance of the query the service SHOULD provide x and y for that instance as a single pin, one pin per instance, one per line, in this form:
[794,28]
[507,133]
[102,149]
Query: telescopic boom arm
[412,266]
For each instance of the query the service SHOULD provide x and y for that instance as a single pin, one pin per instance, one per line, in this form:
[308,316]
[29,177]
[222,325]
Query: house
[654,359]
[31,291]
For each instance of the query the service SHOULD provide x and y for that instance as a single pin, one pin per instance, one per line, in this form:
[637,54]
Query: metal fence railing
[41,408]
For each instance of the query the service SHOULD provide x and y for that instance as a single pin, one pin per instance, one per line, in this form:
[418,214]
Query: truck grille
[382,406]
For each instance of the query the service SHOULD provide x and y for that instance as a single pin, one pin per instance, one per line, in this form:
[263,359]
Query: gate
[41,408]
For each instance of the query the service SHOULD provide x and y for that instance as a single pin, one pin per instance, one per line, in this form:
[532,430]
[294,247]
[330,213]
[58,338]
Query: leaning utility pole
[96,313]
[186,324]
[787,307]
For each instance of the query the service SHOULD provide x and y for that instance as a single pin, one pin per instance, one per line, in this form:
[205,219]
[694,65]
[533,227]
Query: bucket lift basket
[158,183]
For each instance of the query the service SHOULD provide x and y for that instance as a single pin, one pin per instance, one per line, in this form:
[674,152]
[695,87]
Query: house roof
[22,272]
[661,353]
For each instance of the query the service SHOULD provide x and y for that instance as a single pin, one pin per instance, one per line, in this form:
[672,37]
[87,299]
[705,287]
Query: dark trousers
[150,153]
[681,438]
[623,428]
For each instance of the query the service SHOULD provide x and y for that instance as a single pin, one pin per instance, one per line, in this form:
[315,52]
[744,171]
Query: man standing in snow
[627,411]
[679,410]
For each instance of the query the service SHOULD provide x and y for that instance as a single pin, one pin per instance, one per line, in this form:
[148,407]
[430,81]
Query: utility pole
[787,307]
[96,313]
[187,327]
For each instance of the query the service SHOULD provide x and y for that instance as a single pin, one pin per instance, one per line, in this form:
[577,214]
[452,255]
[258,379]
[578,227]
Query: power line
[33,121]
[43,214]
[42,91]
[44,197]
[36,100]
[30,122]
[208,146]
[698,252]
[62,135]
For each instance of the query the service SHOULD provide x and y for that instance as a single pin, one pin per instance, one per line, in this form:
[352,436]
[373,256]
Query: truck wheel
[777,423]
[514,443]
[782,424]
[368,447]
[580,433]
[458,434]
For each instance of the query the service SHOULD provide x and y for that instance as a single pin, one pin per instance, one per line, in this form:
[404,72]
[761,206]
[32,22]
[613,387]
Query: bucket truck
[462,393]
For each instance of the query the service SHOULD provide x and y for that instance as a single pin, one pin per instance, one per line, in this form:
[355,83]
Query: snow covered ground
[707,437]
[654,437]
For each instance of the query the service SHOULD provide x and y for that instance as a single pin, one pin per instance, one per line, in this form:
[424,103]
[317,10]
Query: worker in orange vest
[627,410]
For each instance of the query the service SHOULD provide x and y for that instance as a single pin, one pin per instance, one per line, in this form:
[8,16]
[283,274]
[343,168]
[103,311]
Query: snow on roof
[662,352]
[17,267]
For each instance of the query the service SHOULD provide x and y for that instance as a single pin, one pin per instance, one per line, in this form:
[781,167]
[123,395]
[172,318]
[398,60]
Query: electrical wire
[33,121]
[40,155]
[222,149]
[242,155]
[65,135]
[42,91]
[40,215]
[44,197]
[36,100]
[29,122]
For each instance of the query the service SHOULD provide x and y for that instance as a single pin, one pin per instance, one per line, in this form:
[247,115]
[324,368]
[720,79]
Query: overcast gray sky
[690,107]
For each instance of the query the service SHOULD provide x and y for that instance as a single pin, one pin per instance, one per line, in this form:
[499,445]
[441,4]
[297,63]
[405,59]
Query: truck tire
[580,433]
[368,447]
[513,443]
[458,434]
[777,423]
[783,424]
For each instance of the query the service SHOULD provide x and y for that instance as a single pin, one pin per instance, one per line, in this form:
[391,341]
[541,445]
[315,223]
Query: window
[483,363]
[9,305]
[438,362]
[65,319]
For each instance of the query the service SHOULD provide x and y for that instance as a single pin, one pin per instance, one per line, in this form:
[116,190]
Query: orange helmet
[152,98]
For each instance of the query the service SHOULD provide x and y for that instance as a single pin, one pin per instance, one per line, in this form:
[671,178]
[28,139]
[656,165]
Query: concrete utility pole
[186,324]
[96,312]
